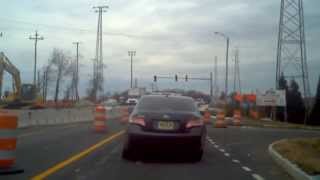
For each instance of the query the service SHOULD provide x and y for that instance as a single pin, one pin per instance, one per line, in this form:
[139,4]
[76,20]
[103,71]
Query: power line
[70,29]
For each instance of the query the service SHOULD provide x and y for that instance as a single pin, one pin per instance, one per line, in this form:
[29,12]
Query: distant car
[165,123]
[132,101]
[110,104]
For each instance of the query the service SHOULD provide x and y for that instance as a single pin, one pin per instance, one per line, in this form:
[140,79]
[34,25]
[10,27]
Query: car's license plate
[165,125]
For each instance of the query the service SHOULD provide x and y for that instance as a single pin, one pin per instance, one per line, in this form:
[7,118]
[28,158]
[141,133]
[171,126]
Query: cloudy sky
[169,36]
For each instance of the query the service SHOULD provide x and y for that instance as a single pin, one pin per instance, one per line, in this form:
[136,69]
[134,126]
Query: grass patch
[304,152]
[277,124]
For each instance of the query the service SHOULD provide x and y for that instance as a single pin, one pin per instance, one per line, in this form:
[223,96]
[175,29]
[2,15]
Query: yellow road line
[76,157]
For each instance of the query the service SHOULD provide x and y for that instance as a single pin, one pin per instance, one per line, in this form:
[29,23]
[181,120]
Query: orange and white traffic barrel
[220,121]
[8,142]
[124,111]
[100,117]
[206,117]
[236,121]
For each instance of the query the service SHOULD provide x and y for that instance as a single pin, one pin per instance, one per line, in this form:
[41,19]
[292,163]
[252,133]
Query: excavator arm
[6,65]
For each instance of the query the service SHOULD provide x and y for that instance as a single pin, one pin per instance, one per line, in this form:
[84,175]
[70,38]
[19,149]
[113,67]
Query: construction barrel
[8,142]
[220,121]
[206,117]
[100,118]
[236,121]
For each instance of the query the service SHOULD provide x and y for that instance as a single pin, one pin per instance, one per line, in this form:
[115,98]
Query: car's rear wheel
[197,156]
[128,152]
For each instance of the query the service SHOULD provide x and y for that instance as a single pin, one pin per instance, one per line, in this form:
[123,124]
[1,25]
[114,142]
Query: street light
[227,55]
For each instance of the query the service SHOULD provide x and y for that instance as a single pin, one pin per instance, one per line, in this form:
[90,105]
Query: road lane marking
[216,146]
[257,177]
[246,168]
[235,161]
[227,154]
[222,150]
[76,157]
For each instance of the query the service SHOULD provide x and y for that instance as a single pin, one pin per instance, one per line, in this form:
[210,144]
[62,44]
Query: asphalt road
[61,152]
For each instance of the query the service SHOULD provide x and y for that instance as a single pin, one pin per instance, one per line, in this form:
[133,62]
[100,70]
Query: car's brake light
[194,122]
[137,120]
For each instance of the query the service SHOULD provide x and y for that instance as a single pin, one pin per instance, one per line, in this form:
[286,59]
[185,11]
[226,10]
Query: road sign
[136,92]
[272,98]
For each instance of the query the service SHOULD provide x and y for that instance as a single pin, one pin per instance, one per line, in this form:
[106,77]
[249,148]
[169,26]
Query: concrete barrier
[45,117]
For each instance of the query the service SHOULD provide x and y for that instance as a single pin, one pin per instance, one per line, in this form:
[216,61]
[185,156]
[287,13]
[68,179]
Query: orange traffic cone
[100,118]
[236,121]
[220,121]
[207,117]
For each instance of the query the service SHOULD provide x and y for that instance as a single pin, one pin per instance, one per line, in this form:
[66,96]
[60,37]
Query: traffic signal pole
[176,78]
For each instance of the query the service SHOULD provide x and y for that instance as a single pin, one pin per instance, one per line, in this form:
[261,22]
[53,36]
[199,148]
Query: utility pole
[211,86]
[135,82]
[215,82]
[36,38]
[77,71]
[227,65]
[38,82]
[131,54]
[98,62]
[227,59]
[44,86]
[1,34]
[236,78]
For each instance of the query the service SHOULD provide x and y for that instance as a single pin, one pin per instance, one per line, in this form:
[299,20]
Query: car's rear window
[166,104]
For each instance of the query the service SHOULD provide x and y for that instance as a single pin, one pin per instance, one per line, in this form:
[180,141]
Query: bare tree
[60,62]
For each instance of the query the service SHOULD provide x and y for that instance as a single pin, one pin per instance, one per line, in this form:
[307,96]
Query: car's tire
[197,156]
[128,152]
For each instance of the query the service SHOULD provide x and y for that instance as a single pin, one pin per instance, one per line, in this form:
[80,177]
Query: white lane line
[257,177]
[216,146]
[222,150]
[227,154]
[235,161]
[246,168]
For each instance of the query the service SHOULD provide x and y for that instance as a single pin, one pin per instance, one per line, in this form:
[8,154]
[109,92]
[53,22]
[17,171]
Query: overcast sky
[169,36]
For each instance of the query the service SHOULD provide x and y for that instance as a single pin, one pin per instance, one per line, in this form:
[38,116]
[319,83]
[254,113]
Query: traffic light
[186,78]
[154,78]
[176,77]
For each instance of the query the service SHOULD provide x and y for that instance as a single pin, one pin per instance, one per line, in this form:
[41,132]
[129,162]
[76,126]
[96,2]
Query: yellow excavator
[22,94]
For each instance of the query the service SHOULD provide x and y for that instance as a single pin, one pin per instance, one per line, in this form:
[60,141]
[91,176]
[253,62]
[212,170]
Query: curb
[291,168]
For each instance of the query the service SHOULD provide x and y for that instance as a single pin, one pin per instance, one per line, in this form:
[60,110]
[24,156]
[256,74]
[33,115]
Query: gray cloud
[169,37]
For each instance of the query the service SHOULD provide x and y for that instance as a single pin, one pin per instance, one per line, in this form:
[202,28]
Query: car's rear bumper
[192,140]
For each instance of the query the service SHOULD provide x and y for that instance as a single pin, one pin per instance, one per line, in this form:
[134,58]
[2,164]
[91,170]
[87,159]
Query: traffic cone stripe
[8,144]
